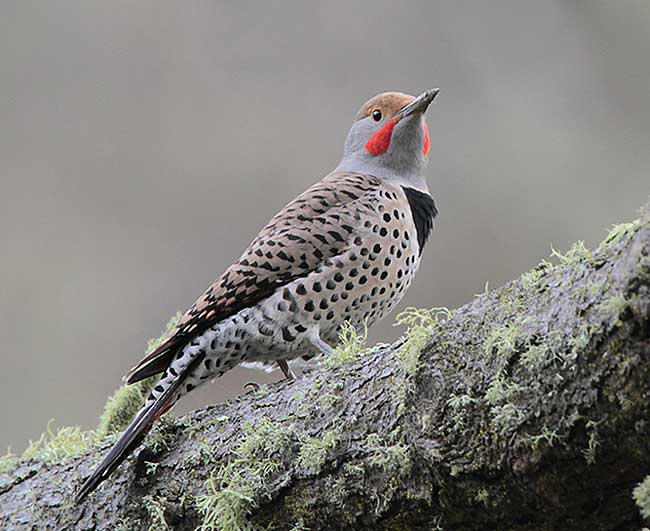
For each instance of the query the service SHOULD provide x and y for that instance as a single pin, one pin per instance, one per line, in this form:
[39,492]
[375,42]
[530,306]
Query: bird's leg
[321,345]
[286,370]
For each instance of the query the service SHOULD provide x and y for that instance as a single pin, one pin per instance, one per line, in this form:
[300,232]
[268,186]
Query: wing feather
[313,228]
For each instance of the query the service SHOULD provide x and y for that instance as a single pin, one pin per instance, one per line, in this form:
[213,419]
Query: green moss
[641,496]
[578,343]
[299,526]
[350,348]
[313,452]
[504,340]
[577,253]
[483,496]
[392,456]
[126,525]
[500,391]
[238,487]
[151,467]
[420,324]
[613,308]
[531,279]
[457,402]
[546,438]
[60,445]
[460,406]
[159,439]
[156,510]
[538,356]
[123,405]
[506,418]
[8,462]
[621,231]
[328,400]
[500,395]
[594,441]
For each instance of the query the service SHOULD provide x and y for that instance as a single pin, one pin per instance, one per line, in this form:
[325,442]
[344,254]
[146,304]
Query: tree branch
[525,409]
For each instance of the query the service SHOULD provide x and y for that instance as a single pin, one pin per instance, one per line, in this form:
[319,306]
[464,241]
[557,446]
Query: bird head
[389,137]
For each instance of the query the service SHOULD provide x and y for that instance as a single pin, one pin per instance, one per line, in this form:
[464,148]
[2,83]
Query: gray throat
[364,165]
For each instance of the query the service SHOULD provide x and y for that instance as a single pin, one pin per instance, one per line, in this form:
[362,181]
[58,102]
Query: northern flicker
[347,249]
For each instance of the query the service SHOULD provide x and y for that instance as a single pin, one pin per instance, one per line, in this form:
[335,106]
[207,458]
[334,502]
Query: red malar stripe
[380,141]
[427,141]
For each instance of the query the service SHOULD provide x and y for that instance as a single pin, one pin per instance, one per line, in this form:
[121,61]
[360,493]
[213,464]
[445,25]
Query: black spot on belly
[286,334]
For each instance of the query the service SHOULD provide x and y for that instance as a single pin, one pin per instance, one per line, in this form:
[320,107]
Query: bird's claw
[251,387]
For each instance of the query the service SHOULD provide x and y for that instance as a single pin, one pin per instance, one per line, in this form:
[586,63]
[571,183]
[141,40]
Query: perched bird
[347,249]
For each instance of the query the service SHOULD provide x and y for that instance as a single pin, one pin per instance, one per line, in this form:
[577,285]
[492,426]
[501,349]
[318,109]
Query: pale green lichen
[238,487]
[351,346]
[577,253]
[537,356]
[641,496]
[460,412]
[313,452]
[155,508]
[483,496]
[504,340]
[546,438]
[500,391]
[531,278]
[328,400]
[506,418]
[60,444]
[420,324]
[621,231]
[594,441]
[457,402]
[392,456]
[500,395]
[123,405]
[299,526]
[8,462]
[160,438]
[613,308]
[151,468]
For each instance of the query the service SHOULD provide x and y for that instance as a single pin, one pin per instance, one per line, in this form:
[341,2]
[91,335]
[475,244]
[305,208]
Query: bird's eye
[376,115]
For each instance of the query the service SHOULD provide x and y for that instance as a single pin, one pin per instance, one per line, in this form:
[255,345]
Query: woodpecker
[345,250]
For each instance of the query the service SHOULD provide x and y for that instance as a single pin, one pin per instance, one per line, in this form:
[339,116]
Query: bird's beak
[419,105]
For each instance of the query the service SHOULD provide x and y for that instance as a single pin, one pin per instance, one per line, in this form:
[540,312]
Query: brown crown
[388,103]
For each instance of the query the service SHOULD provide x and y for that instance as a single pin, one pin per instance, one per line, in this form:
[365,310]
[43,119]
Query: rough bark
[527,408]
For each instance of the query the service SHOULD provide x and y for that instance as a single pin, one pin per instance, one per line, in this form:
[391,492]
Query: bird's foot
[251,387]
[286,370]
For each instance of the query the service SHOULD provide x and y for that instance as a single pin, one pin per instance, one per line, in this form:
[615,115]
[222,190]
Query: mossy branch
[525,409]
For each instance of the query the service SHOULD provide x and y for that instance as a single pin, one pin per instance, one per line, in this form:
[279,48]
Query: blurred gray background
[143,144]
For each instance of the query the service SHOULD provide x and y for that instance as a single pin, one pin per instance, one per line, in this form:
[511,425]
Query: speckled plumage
[346,249]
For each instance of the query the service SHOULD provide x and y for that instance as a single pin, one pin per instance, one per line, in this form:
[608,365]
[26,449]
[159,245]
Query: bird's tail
[136,431]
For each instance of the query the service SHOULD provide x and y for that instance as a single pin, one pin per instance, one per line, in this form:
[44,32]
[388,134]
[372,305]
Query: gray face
[397,155]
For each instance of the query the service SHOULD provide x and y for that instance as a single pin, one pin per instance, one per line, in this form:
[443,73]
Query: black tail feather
[134,434]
